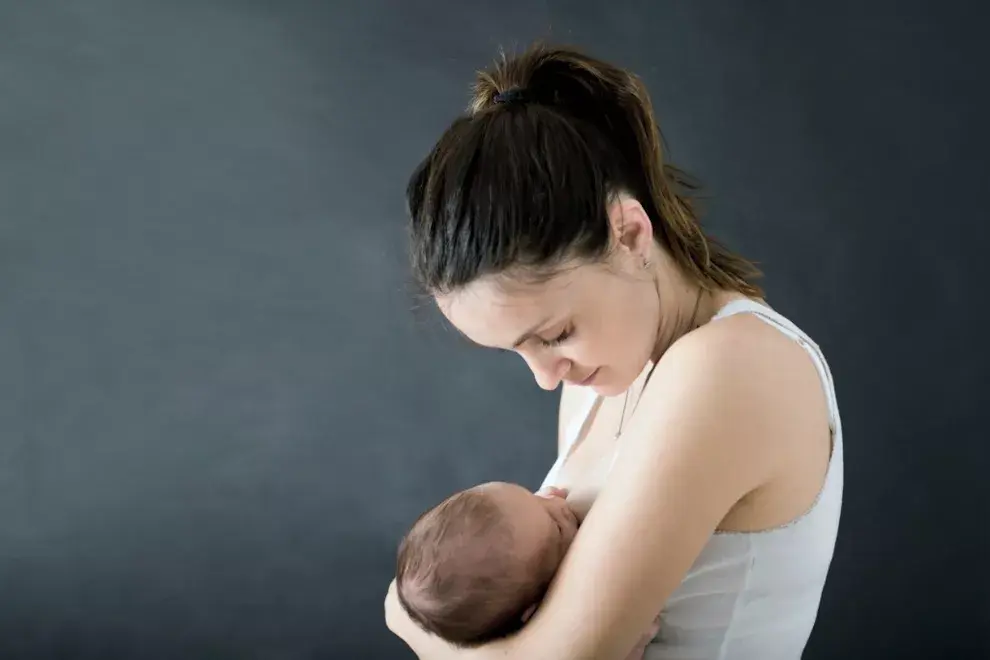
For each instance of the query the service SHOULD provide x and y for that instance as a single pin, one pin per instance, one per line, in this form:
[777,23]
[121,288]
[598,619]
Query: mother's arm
[707,433]
[430,647]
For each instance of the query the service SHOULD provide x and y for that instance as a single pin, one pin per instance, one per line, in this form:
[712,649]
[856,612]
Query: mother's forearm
[422,643]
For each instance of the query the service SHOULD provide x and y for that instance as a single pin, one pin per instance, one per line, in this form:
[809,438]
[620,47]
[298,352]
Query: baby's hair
[458,576]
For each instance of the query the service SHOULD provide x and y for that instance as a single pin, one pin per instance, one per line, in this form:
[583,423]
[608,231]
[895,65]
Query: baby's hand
[552,491]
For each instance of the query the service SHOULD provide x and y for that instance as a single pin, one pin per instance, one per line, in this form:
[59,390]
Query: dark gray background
[220,406]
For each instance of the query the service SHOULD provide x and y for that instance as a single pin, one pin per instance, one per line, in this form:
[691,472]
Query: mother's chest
[584,472]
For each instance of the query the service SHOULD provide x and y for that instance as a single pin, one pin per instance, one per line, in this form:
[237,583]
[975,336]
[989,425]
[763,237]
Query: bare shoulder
[760,358]
[743,355]
[755,391]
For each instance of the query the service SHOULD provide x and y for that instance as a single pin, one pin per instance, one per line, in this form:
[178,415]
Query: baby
[474,568]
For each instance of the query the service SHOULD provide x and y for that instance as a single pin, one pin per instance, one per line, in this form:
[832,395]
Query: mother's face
[591,325]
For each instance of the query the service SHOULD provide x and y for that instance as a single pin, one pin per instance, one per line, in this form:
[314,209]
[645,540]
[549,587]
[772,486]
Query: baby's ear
[530,611]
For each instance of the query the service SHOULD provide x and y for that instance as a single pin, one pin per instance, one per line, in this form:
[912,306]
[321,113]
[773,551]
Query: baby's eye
[559,339]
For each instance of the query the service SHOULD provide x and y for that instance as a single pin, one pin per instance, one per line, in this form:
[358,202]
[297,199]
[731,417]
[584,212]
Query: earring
[646,263]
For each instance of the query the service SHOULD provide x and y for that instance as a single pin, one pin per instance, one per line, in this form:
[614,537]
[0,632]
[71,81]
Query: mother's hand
[644,641]
[422,643]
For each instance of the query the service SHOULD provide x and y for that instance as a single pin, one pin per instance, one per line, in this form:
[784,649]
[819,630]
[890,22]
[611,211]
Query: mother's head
[545,221]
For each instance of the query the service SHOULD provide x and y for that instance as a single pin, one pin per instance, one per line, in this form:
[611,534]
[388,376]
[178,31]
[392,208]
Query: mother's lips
[591,377]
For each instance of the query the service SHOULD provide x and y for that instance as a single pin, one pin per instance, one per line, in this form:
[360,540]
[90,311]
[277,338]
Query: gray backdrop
[221,403]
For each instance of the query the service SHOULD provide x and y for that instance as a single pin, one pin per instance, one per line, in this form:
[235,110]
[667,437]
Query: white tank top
[751,595]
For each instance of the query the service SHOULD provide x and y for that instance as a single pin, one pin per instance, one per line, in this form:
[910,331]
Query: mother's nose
[548,370]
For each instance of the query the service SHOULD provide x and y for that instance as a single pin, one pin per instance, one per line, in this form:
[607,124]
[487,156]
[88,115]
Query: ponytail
[550,137]
[617,104]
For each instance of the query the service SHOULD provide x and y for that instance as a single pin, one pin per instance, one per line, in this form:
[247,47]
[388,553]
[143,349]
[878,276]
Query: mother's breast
[584,481]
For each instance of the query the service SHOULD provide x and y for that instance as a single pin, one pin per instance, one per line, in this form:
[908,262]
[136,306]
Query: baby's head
[473,568]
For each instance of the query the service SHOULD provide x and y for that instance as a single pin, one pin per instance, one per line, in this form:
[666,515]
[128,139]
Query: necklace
[625,401]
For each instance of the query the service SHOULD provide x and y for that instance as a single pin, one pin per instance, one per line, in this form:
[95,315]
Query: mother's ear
[632,230]
[530,611]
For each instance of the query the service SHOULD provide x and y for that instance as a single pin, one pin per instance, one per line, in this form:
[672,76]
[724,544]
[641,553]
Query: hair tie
[514,95]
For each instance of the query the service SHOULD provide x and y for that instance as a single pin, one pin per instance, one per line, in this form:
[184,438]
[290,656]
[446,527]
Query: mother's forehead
[497,314]
[504,297]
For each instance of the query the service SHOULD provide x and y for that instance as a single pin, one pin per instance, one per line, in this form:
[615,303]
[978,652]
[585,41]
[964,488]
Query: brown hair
[524,179]
[458,576]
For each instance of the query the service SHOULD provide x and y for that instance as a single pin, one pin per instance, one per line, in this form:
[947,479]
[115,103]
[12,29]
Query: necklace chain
[625,401]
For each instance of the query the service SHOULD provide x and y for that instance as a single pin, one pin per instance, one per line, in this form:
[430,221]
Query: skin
[544,525]
[730,433]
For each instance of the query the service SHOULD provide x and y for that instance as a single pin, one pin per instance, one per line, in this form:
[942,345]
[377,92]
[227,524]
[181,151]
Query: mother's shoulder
[742,376]
[741,341]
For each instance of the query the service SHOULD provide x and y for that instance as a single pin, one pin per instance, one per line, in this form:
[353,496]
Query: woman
[708,437]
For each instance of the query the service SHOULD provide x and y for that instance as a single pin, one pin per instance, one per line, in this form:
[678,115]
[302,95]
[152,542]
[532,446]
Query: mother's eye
[559,339]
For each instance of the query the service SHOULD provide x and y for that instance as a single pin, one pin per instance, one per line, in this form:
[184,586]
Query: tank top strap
[573,431]
[788,328]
